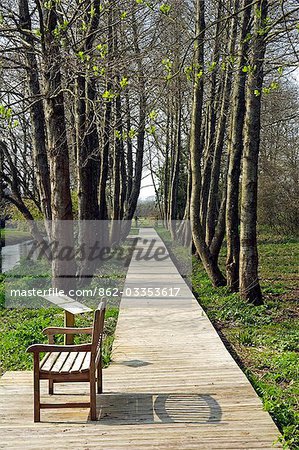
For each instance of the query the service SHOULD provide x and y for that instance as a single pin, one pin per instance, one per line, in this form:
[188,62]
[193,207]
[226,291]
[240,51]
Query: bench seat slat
[44,359]
[69,362]
[59,362]
[86,362]
[47,363]
[78,363]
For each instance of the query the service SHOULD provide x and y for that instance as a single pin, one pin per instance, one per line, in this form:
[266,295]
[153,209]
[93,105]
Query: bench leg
[51,387]
[93,398]
[36,383]
[100,378]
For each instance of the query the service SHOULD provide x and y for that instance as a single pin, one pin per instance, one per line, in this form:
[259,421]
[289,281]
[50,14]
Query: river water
[11,254]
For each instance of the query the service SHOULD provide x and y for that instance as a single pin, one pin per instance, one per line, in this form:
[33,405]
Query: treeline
[95,93]
[239,82]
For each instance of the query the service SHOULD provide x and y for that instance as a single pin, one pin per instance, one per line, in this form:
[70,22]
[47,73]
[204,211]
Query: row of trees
[244,53]
[93,93]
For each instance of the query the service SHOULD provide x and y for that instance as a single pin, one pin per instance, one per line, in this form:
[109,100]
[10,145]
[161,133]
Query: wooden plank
[86,362]
[49,362]
[78,362]
[59,362]
[68,364]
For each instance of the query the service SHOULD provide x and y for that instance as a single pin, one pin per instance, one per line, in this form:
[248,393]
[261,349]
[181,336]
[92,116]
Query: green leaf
[151,129]
[103,49]
[212,66]
[83,25]
[132,133]
[124,82]
[165,9]
[153,115]
[274,85]
[81,56]
[108,95]
[92,11]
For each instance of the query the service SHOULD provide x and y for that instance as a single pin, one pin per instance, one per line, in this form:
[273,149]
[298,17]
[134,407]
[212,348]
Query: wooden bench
[70,363]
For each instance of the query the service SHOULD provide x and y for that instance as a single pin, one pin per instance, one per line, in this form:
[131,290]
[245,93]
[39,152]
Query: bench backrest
[97,333]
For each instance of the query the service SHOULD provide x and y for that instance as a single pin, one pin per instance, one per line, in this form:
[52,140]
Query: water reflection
[10,255]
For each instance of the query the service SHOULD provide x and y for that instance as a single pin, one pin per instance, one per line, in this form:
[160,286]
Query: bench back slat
[98,329]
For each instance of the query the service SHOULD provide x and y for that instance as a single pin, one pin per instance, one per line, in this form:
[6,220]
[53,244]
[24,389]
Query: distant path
[172,383]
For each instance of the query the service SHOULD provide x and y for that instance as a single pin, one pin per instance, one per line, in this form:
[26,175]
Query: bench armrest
[40,348]
[52,331]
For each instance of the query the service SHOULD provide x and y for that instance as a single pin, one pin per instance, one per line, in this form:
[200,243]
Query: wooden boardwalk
[172,384]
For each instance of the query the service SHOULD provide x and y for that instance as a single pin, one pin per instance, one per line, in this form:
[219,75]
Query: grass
[264,340]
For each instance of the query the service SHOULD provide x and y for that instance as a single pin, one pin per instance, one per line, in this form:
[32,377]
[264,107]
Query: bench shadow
[127,409]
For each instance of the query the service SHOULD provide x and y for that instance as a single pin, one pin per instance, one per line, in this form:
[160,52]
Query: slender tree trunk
[184,232]
[175,173]
[62,232]
[196,155]
[235,155]
[129,151]
[220,136]
[211,126]
[124,181]
[117,155]
[36,112]
[132,204]
[249,283]
[219,233]
[88,164]
[107,122]
[166,170]
[88,160]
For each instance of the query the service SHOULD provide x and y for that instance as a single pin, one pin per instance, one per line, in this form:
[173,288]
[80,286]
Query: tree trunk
[37,113]
[129,151]
[175,173]
[219,233]
[117,155]
[220,136]
[88,165]
[211,126]
[87,133]
[249,283]
[107,122]
[62,232]
[132,203]
[235,155]
[196,154]
[166,170]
